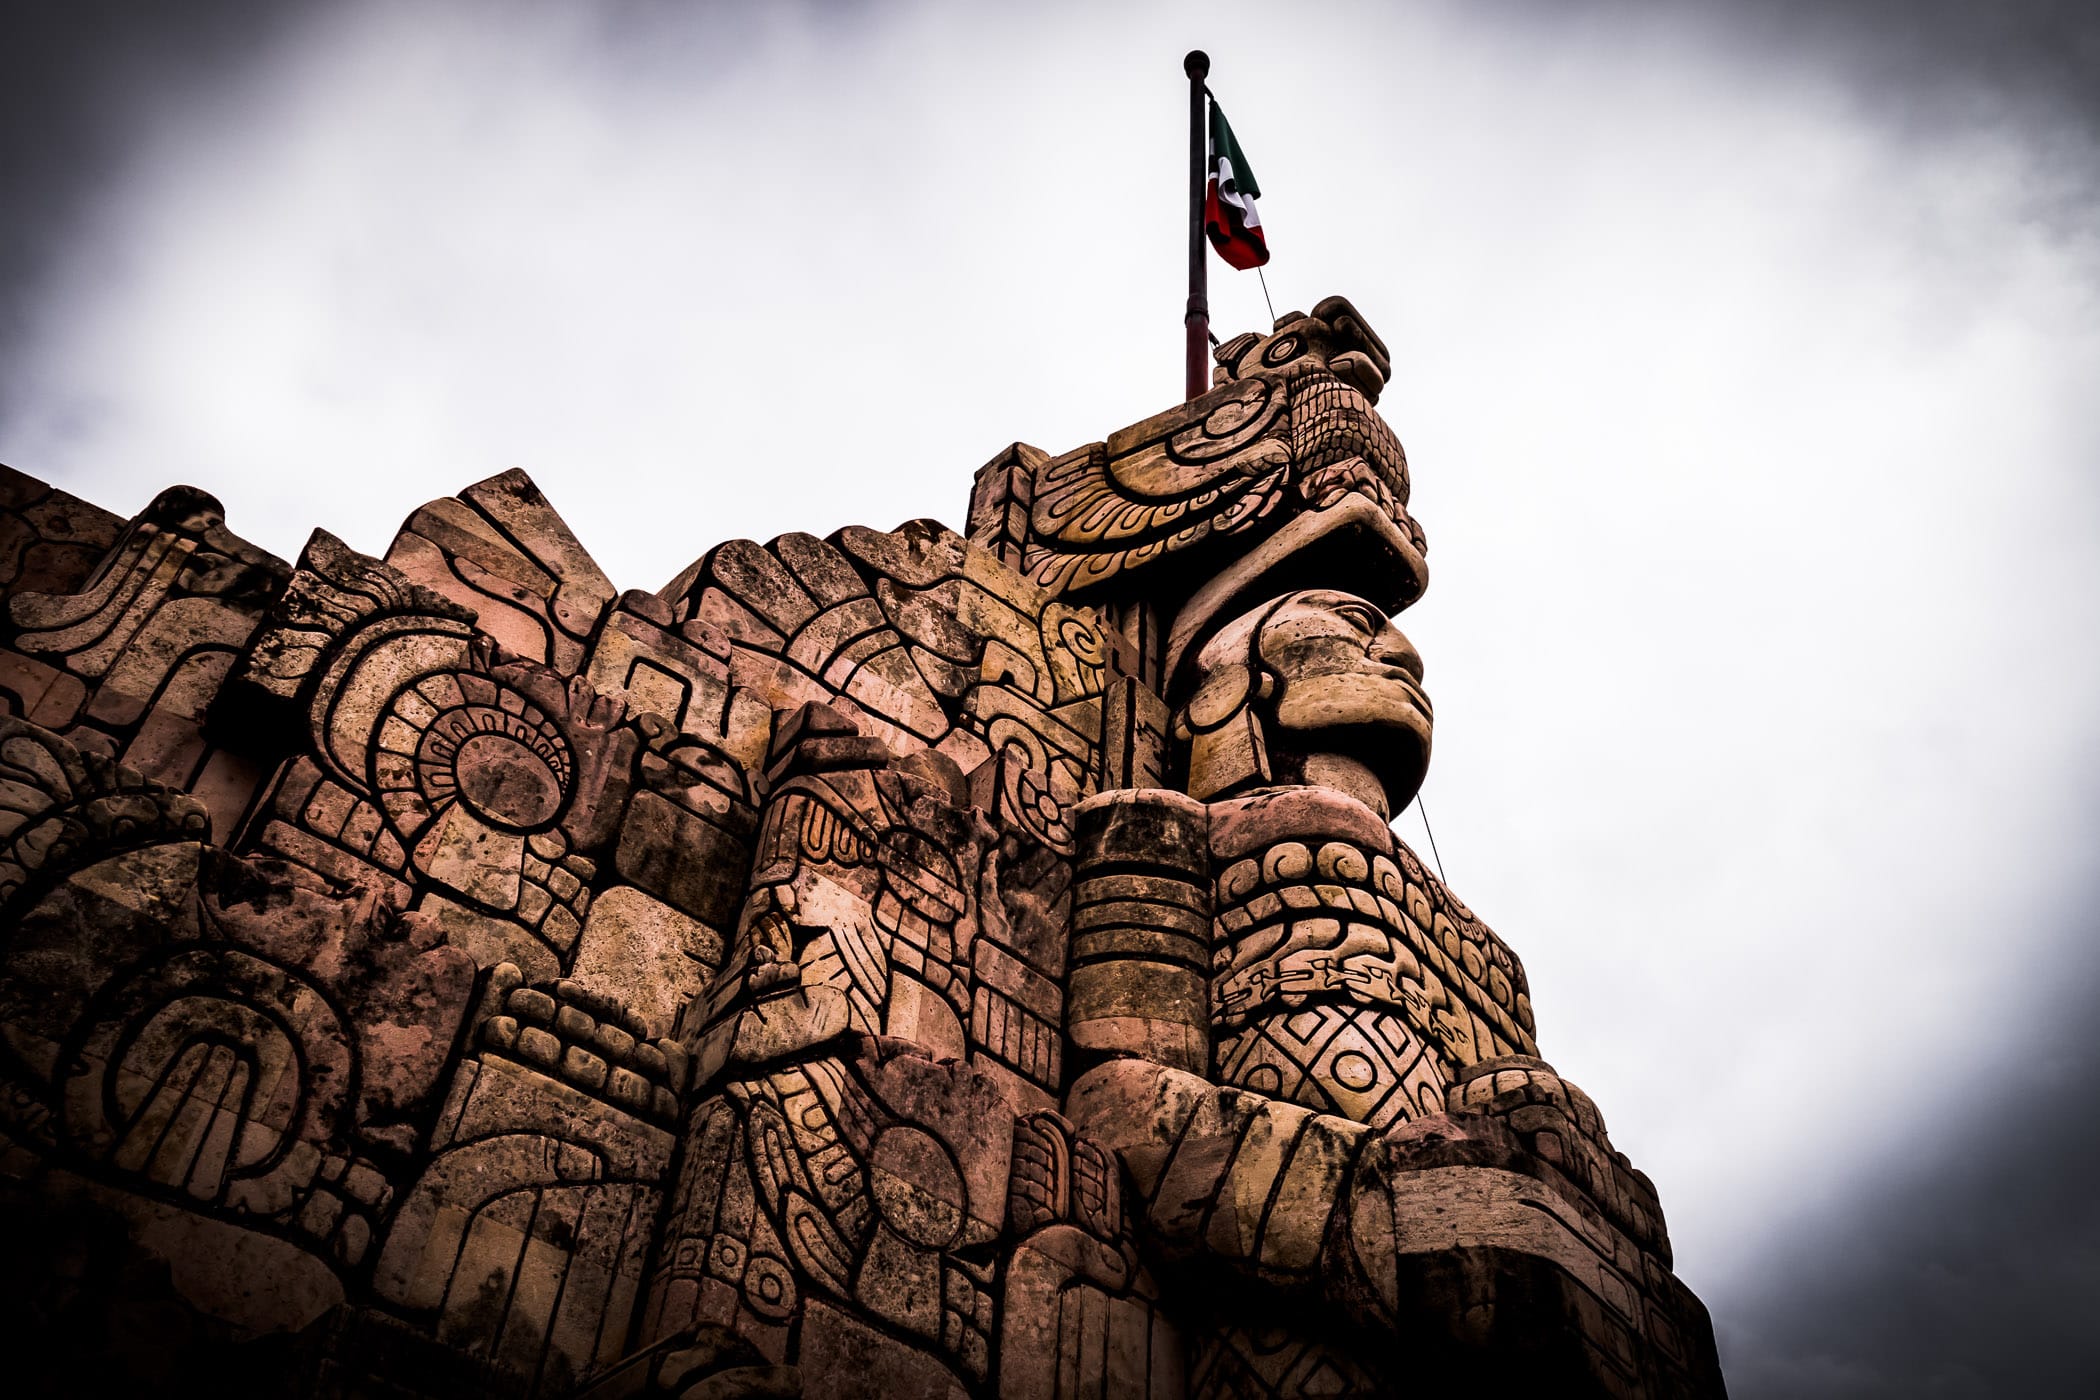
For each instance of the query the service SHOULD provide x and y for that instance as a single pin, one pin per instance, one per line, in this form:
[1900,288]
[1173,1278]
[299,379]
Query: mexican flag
[1228,205]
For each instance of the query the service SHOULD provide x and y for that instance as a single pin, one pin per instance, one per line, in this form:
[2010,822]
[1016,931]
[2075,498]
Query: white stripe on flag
[1228,195]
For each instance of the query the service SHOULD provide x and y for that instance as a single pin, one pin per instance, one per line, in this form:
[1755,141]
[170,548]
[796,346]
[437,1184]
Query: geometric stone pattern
[899,962]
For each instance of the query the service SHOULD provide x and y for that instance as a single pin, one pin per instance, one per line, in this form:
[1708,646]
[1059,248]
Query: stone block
[580,1067]
[682,860]
[537,1047]
[644,954]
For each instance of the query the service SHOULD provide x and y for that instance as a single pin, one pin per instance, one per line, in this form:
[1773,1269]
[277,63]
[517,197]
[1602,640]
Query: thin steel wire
[1434,853]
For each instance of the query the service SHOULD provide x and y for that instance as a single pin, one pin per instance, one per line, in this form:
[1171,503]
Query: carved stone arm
[1232,1176]
[1448,1230]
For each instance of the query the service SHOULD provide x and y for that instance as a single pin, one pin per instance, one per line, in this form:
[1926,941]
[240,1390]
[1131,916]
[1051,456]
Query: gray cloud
[1934,62]
[77,81]
[1927,62]
[1970,1270]
[2025,73]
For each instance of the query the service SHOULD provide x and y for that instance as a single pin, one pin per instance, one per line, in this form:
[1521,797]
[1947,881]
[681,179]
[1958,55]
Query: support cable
[1434,853]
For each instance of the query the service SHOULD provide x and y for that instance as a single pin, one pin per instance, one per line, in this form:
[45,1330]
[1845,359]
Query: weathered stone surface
[646,955]
[887,964]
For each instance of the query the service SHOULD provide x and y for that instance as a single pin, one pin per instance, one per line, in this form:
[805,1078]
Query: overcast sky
[1746,355]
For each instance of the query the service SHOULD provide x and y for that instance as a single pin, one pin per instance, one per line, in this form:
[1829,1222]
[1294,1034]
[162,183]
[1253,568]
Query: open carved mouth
[1351,546]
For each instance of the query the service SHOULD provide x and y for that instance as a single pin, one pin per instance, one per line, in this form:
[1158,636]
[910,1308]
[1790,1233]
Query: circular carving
[1270,1339]
[218,1020]
[1354,1071]
[1226,429]
[474,742]
[769,1288]
[1263,1079]
[504,780]
[1342,862]
[1238,881]
[1286,862]
[917,1186]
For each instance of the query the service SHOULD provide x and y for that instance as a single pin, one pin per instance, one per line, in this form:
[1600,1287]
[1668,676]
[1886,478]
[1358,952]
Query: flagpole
[1197,66]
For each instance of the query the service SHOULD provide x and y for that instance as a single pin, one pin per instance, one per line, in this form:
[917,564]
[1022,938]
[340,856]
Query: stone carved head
[1334,339]
[1316,687]
[861,908]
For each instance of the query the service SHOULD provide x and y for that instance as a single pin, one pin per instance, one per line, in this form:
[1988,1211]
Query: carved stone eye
[1362,617]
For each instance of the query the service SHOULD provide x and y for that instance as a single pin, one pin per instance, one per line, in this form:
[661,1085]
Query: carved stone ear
[1229,757]
[1224,735]
[1223,692]
[1226,750]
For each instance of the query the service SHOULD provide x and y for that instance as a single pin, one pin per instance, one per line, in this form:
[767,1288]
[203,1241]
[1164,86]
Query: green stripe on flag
[1222,144]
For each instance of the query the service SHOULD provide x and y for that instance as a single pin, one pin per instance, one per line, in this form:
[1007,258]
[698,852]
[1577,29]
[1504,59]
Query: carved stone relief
[896,963]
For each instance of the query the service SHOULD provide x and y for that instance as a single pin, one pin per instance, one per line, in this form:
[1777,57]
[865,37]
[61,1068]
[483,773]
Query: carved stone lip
[1381,564]
[1347,688]
[1419,695]
[1400,675]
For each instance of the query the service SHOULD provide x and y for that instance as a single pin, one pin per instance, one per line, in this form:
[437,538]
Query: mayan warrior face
[856,870]
[1316,687]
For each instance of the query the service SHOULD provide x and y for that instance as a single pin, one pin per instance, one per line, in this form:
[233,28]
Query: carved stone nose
[1392,648]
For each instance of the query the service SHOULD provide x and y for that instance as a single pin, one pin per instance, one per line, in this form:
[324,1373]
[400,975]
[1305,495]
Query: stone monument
[898,963]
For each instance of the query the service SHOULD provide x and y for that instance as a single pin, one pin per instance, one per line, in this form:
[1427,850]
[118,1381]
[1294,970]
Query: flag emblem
[1228,203]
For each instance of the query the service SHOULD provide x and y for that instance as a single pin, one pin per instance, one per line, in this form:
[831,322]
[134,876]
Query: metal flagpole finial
[1196,65]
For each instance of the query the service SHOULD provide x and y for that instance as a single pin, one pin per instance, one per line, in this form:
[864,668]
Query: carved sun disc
[504,781]
[506,763]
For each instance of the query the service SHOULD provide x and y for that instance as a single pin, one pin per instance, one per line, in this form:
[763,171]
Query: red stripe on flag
[1238,245]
